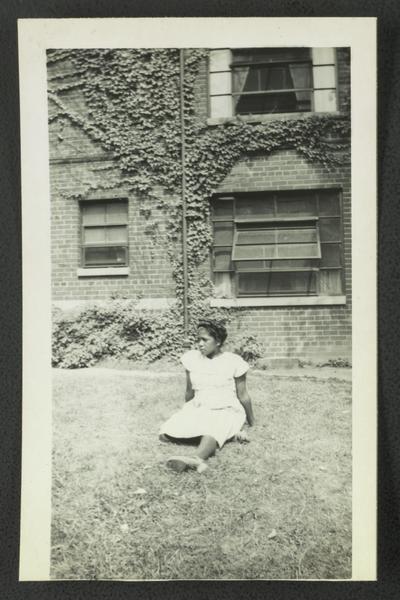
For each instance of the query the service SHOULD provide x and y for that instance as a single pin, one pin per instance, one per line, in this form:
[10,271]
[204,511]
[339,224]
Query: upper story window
[104,233]
[262,81]
[278,244]
[272,80]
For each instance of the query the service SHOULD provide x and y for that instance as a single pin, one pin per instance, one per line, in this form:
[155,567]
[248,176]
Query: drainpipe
[183,188]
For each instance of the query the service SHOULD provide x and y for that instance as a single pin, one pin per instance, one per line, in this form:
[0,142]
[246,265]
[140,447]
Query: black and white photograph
[201,260]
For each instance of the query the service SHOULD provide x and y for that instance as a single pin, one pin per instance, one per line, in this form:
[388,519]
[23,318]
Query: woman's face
[207,343]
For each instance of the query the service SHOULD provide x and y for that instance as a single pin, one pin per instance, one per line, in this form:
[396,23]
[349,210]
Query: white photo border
[37,35]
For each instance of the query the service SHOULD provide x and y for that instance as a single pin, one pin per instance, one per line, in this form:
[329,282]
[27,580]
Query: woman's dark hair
[215,328]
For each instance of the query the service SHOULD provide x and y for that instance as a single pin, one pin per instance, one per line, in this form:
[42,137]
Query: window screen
[278,243]
[104,233]
[272,283]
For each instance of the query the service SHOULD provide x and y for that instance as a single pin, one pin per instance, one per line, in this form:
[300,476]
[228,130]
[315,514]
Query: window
[278,244]
[272,80]
[265,81]
[104,241]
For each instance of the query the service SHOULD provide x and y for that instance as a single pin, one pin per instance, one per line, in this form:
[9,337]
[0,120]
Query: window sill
[269,117]
[278,301]
[102,271]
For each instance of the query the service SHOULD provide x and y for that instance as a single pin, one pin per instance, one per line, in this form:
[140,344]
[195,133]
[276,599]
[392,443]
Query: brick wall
[299,331]
[287,170]
[150,268]
[201,91]
[313,332]
[343,77]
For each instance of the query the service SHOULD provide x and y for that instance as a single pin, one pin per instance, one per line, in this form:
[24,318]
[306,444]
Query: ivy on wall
[132,100]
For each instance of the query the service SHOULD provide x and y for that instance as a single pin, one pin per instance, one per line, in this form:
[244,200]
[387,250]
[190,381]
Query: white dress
[215,409]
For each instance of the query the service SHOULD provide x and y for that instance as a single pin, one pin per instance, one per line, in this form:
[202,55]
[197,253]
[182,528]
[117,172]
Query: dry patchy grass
[279,507]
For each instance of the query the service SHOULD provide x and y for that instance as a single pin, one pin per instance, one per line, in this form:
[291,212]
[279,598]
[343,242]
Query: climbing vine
[133,111]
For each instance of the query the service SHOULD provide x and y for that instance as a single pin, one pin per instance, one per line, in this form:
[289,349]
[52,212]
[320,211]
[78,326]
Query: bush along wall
[121,331]
[132,110]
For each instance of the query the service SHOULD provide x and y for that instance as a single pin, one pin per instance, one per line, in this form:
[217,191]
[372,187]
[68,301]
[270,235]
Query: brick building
[281,224]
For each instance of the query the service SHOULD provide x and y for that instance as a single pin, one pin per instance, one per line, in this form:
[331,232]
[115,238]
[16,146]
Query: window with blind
[278,244]
[104,233]
[272,80]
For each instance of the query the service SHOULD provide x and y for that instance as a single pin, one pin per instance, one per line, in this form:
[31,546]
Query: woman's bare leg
[207,447]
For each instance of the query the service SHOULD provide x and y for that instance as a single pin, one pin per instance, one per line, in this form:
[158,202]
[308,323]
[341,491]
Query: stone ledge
[281,301]
[102,272]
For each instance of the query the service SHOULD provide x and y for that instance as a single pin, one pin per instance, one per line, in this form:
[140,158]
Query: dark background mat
[388,585]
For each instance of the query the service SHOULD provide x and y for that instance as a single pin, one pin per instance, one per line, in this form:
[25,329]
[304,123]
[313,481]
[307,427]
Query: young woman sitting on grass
[217,402]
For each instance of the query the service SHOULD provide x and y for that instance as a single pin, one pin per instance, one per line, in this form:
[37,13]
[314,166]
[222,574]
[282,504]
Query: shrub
[336,363]
[120,330]
[248,347]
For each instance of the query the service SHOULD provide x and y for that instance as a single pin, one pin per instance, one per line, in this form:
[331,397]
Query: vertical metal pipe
[183,188]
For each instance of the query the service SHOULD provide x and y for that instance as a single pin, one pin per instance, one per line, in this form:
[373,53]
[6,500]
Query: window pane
[329,204]
[300,75]
[282,265]
[270,54]
[252,283]
[256,236]
[284,102]
[223,285]
[297,206]
[292,283]
[222,258]
[276,265]
[298,251]
[276,283]
[117,234]
[297,235]
[223,233]
[276,78]
[106,256]
[223,208]
[253,252]
[329,230]
[330,282]
[94,235]
[281,235]
[330,255]
[246,265]
[117,213]
[245,79]
[93,214]
[255,207]
[303,101]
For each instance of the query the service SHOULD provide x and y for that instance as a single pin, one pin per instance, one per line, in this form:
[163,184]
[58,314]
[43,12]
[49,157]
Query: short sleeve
[240,366]
[187,359]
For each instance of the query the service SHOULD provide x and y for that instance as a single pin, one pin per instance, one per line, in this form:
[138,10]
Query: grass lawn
[279,507]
